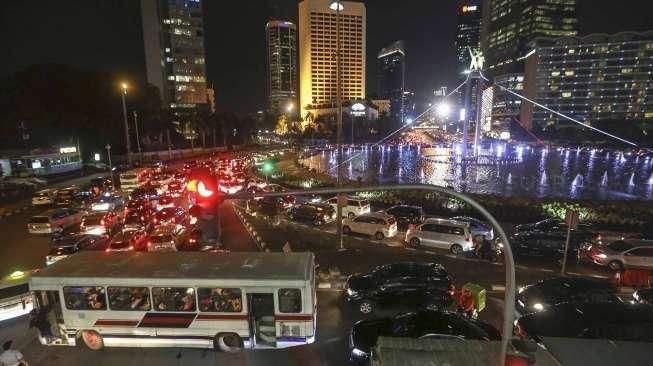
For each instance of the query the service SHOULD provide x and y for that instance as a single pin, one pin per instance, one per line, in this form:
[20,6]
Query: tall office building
[392,75]
[508,25]
[173,35]
[281,37]
[317,54]
[468,35]
[598,78]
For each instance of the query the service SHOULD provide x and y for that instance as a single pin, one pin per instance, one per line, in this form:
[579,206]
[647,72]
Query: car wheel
[351,215]
[366,307]
[616,265]
[228,342]
[414,242]
[378,235]
[317,222]
[346,230]
[92,340]
[456,249]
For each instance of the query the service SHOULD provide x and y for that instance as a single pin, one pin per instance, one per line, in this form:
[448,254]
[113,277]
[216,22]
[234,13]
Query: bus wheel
[228,342]
[92,340]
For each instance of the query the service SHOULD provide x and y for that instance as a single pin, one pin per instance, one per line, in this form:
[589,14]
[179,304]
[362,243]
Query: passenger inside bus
[174,299]
[220,300]
[129,298]
[84,298]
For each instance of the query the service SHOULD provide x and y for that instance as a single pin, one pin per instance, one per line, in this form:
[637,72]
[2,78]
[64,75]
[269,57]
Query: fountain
[604,179]
[543,179]
[650,180]
[578,181]
[510,179]
[631,181]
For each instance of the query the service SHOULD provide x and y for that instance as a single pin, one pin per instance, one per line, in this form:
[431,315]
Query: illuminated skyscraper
[392,75]
[173,35]
[468,34]
[281,37]
[317,54]
[508,25]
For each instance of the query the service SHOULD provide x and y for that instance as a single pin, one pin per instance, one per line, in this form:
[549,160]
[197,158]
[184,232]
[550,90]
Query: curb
[250,230]
[15,211]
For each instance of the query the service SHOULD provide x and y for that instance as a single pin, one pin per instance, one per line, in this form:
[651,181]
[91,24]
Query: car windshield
[39,220]
[620,246]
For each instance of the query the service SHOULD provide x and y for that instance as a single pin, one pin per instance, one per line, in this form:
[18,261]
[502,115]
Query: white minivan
[353,207]
[451,235]
[377,224]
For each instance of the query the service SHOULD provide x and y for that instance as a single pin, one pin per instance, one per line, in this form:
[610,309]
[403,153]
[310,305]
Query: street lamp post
[124,113]
[108,147]
[337,6]
[138,139]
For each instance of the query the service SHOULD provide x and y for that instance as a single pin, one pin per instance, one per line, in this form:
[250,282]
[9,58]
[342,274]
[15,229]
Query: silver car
[451,235]
[624,254]
[54,221]
[378,224]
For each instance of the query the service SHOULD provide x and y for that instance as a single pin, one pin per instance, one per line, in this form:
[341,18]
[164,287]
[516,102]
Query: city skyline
[428,31]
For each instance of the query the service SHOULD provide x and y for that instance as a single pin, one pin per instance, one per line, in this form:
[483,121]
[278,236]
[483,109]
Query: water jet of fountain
[631,181]
[604,179]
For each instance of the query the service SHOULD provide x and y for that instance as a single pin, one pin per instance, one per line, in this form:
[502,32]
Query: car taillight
[102,222]
[191,240]
[107,250]
[452,290]
[131,247]
[149,243]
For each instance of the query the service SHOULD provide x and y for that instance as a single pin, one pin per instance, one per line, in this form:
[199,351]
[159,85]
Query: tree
[282,127]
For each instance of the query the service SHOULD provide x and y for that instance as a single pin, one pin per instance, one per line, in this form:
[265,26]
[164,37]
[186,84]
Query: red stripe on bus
[112,322]
[294,317]
[221,317]
[167,320]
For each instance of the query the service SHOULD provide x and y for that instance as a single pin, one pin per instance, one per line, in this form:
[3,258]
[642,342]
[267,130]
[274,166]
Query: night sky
[106,35]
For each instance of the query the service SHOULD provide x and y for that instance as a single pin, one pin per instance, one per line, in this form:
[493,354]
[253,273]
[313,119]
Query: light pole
[124,113]
[108,147]
[337,6]
[138,139]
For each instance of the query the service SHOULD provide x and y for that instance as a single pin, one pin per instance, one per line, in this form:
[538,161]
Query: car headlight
[351,292]
[602,256]
[537,306]
[521,289]
[358,353]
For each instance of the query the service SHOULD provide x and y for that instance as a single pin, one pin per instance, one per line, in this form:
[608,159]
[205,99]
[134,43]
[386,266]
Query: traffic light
[205,200]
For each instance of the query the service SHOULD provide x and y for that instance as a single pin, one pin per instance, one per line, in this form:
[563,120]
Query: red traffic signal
[200,187]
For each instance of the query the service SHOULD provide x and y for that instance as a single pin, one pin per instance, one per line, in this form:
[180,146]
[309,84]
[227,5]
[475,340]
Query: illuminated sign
[68,150]
[358,109]
[36,164]
[468,8]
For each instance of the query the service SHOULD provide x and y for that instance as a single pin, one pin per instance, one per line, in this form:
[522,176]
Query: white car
[353,207]
[44,197]
[378,224]
[54,221]
[164,239]
[451,235]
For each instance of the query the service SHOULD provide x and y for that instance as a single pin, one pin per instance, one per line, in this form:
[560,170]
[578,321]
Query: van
[451,235]
[353,206]
[15,298]
[54,221]
[43,197]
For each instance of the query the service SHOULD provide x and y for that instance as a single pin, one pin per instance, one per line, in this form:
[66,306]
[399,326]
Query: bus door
[48,318]
[262,327]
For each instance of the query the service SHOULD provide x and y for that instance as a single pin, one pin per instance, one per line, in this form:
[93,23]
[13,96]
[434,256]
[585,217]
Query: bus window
[85,298]
[222,300]
[290,300]
[129,298]
[173,298]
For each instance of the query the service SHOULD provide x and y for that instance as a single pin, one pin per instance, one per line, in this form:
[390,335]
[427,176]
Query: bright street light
[290,107]
[409,121]
[124,87]
[443,110]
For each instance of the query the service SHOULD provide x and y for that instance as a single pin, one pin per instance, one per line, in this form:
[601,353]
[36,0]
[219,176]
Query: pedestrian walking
[11,357]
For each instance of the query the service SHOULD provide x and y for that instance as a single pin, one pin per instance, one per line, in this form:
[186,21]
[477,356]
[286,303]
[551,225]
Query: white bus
[178,299]
[133,179]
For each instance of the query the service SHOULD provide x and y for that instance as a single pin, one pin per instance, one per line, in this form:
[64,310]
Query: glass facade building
[468,35]
[392,75]
[173,34]
[593,78]
[281,38]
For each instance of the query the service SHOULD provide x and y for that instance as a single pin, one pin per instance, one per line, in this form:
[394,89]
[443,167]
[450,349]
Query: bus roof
[182,265]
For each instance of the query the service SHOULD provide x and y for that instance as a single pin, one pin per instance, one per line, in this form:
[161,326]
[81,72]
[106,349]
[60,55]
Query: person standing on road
[11,357]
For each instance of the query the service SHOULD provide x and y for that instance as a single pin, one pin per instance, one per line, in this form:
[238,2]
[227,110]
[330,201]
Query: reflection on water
[500,169]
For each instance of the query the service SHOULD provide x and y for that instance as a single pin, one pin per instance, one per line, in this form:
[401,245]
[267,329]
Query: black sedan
[550,225]
[546,245]
[406,215]
[412,285]
[612,321]
[364,334]
[553,291]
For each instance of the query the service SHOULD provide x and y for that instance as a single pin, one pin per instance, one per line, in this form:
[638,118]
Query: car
[406,215]
[611,321]
[54,221]
[378,224]
[164,238]
[135,221]
[553,291]
[99,223]
[315,213]
[164,202]
[624,254]
[428,285]
[644,295]
[442,324]
[66,197]
[126,241]
[66,245]
[476,226]
[107,202]
[230,186]
[136,205]
[170,215]
[44,197]
[147,193]
[353,206]
[104,184]
[162,179]
[454,236]
[265,206]
[546,244]
[550,225]
[176,189]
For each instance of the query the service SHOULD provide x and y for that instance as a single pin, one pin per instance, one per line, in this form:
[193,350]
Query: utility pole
[124,114]
[108,147]
[138,139]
